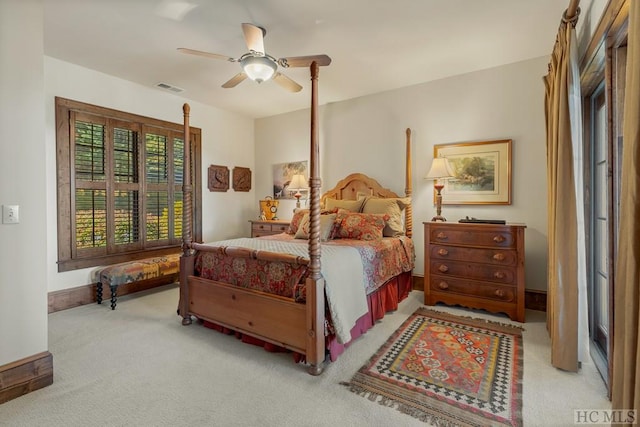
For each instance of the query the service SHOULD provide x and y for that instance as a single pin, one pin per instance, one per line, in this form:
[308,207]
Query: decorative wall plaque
[218,178]
[241,179]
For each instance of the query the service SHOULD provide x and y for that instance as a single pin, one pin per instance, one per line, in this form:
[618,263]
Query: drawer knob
[443,252]
[499,239]
[233,297]
[441,236]
[443,285]
[261,227]
[498,275]
[499,293]
[498,257]
[443,268]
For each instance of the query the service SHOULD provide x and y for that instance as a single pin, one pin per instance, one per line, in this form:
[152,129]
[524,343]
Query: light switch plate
[10,214]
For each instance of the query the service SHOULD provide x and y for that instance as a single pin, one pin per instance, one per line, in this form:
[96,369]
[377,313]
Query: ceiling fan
[260,66]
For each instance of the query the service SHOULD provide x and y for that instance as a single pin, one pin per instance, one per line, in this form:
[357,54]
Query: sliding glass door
[604,107]
[599,231]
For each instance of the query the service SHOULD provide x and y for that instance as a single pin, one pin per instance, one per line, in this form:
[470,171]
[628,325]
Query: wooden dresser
[476,266]
[264,228]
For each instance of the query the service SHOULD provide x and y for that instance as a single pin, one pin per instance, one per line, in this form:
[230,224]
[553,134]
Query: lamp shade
[440,169]
[258,68]
[298,182]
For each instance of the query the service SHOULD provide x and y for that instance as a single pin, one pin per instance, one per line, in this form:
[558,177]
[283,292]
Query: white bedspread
[343,273]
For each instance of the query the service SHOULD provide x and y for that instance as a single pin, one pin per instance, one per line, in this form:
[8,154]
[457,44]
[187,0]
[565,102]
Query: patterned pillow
[298,215]
[394,207]
[326,227]
[359,226]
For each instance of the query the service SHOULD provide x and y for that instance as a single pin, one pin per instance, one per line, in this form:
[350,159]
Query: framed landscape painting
[482,172]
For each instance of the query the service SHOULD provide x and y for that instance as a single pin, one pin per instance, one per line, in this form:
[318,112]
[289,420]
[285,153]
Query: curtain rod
[572,9]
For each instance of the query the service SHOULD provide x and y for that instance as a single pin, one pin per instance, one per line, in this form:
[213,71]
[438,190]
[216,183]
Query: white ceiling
[375,45]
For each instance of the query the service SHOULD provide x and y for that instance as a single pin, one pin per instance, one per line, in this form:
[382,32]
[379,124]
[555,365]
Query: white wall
[23,285]
[367,135]
[227,139]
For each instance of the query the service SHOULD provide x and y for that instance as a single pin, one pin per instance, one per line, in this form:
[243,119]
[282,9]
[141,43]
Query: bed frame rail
[239,252]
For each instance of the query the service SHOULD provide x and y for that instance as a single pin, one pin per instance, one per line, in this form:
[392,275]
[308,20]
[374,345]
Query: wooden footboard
[271,318]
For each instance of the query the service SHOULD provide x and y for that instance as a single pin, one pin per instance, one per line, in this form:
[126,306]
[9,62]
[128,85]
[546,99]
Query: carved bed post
[408,213]
[315,281]
[186,261]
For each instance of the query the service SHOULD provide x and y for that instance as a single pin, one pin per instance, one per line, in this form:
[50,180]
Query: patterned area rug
[448,370]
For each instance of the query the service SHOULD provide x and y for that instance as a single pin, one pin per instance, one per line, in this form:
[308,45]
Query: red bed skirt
[385,299]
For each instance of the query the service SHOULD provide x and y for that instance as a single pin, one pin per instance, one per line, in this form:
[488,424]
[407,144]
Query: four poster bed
[272,289]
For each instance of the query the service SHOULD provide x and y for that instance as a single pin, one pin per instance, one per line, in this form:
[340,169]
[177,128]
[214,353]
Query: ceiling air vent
[170,88]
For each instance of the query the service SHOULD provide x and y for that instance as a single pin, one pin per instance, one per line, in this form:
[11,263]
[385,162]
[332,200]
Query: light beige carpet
[138,366]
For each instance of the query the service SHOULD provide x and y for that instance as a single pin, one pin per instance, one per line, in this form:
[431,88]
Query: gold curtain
[626,342]
[562,294]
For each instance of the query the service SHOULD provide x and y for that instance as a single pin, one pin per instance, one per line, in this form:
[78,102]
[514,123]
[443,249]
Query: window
[603,88]
[120,182]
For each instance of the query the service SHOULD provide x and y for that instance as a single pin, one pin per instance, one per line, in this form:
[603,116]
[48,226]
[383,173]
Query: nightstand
[261,227]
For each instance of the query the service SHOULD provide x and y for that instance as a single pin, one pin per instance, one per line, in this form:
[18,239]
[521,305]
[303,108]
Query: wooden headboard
[354,184]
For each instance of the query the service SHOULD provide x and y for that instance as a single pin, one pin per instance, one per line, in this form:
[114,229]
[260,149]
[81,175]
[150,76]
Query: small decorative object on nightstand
[268,227]
[439,172]
[269,208]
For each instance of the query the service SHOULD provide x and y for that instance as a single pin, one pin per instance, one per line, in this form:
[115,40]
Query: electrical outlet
[10,214]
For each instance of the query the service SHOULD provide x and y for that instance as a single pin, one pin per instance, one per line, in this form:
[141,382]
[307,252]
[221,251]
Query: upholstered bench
[134,271]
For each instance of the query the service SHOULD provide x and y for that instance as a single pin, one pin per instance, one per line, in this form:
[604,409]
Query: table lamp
[440,171]
[298,182]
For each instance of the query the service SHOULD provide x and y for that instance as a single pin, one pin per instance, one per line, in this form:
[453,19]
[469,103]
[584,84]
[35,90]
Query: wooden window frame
[604,61]
[68,257]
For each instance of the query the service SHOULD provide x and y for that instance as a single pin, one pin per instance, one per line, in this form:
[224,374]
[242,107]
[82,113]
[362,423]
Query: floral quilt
[382,260]
[351,268]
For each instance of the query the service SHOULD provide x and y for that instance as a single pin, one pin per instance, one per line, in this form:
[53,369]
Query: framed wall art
[218,178]
[482,172]
[241,179]
[282,174]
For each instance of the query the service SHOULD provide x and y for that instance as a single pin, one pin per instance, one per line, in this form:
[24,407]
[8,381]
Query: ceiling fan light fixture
[258,68]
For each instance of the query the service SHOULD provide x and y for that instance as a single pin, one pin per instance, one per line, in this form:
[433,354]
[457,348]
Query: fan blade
[304,61]
[206,54]
[254,37]
[286,82]
[235,80]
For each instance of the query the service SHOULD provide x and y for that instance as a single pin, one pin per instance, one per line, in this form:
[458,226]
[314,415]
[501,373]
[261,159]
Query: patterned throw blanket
[342,268]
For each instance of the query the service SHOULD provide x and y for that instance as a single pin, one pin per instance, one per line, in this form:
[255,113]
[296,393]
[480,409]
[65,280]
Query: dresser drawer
[266,228]
[493,273]
[279,228]
[262,227]
[463,287]
[485,237]
[462,253]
